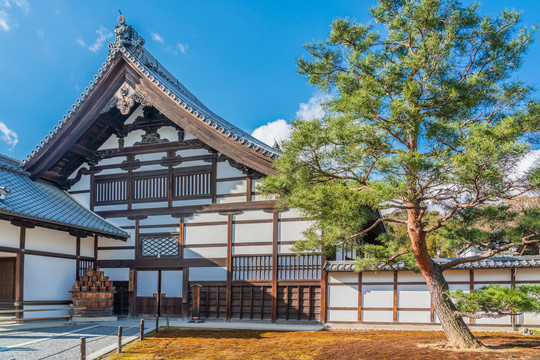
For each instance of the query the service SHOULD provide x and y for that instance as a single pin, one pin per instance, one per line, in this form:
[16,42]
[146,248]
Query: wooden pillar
[158,300]
[78,260]
[275,254]
[324,292]
[513,286]
[360,296]
[132,292]
[249,188]
[213,181]
[92,189]
[228,301]
[137,239]
[471,289]
[95,251]
[185,292]
[19,274]
[395,296]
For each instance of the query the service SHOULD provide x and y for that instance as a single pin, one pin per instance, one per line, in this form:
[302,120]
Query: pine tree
[423,113]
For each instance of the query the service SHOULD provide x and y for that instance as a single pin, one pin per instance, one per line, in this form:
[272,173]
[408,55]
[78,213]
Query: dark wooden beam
[19,273]
[275,239]
[228,301]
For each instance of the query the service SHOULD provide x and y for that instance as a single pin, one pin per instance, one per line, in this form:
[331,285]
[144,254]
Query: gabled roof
[42,202]
[129,62]
[528,261]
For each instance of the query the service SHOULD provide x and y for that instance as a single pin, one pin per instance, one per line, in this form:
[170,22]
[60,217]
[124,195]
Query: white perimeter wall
[413,298]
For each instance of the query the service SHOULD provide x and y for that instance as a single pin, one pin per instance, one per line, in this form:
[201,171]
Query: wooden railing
[290,267]
[41,318]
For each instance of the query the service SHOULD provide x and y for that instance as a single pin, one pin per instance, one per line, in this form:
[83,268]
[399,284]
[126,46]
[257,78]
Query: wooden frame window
[160,246]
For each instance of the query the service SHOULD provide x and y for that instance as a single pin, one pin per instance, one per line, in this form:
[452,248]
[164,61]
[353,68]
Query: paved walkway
[61,340]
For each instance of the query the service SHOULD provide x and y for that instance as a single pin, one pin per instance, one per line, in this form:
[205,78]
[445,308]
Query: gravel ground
[97,337]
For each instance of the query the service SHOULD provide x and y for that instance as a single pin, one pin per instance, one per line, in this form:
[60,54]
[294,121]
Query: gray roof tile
[42,201]
[494,262]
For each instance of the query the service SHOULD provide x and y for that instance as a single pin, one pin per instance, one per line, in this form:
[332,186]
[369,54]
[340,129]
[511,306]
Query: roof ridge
[129,44]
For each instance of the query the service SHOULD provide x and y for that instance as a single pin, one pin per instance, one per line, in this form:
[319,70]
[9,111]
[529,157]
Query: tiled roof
[42,201]
[494,262]
[171,87]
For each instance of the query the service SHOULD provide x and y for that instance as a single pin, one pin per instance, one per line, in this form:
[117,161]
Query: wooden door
[7,279]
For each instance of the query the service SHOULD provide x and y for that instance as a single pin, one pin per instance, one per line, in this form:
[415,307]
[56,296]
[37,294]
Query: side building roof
[496,262]
[44,203]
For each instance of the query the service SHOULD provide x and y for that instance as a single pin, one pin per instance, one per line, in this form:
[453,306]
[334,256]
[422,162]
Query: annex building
[144,181]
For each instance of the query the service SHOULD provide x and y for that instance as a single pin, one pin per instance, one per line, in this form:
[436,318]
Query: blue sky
[238,57]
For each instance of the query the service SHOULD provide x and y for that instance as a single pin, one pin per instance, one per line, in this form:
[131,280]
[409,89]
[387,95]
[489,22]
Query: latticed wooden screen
[111,191]
[150,188]
[252,267]
[192,185]
[159,246]
[290,267]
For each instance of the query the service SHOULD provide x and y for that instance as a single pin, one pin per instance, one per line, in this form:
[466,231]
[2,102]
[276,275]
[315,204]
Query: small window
[158,246]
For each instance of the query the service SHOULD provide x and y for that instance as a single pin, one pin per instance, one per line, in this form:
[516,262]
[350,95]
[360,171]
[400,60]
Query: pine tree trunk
[457,332]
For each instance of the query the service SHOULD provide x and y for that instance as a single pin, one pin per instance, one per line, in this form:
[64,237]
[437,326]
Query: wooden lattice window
[192,184]
[158,246]
[111,191]
[252,267]
[150,187]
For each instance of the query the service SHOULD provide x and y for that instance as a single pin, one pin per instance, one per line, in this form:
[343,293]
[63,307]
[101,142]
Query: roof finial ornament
[127,36]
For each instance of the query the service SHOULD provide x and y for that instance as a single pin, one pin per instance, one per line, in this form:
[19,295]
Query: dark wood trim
[360,296]
[19,274]
[126,247]
[185,292]
[395,309]
[92,188]
[513,286]
[237,178]
[181,239]
[211,223]
[228,301]
[158,297]
[75,192]
[137,239]
[249,189]
[78,261]
[56,255]
[133,292]
[213,178]
[221,196]
[189,210]
[324,292]
[275,238]
[46,302]
[162,263]
[471,289]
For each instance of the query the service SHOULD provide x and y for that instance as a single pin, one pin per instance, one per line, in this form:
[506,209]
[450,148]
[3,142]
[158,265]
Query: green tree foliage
[423,112]
[497,301]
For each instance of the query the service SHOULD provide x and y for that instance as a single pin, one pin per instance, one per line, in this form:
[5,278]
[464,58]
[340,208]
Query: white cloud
[182,47]
[157,37]
[81,42]
[4,21]
[103,35]
[313,108]
[279,130]
[274,131]
[40,33]
[8,135]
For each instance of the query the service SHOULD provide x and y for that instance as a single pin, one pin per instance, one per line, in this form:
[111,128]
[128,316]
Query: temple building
[144,181]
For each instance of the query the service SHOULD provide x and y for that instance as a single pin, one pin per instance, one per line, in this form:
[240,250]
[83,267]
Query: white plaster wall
[209,252]
[413,316]
[527,274]
[111,143]
[285,249]
[116,254]
[186,164]
[111,172]
[9,234]
[253,232]
[231,199]
[343,296]
[291,213]
[48,278]
[261,250]
[83,183]
[103,241]
[194,152]
[379,296]
[254,215]
[205,234]
[205,217]
[377,316]
[116,274]
[292,231]
[87,246]
[231,187]
[138,112]
[383,276]
[529,319]
[207,274]
[456,275]
[109,207]
[492,275]
[342,277]
[50,240]
[133,137]
[224,170]
[342,315]
[159,220]
[171,283]
[413,296]
[147,205]
[188,136]
[113,161]
[168,132]
[410,276]
[147,283]
[500,321]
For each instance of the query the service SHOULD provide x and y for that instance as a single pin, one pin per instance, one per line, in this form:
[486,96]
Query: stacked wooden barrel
[94,293]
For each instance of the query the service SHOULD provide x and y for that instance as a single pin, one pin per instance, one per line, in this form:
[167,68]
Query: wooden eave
[63,154]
